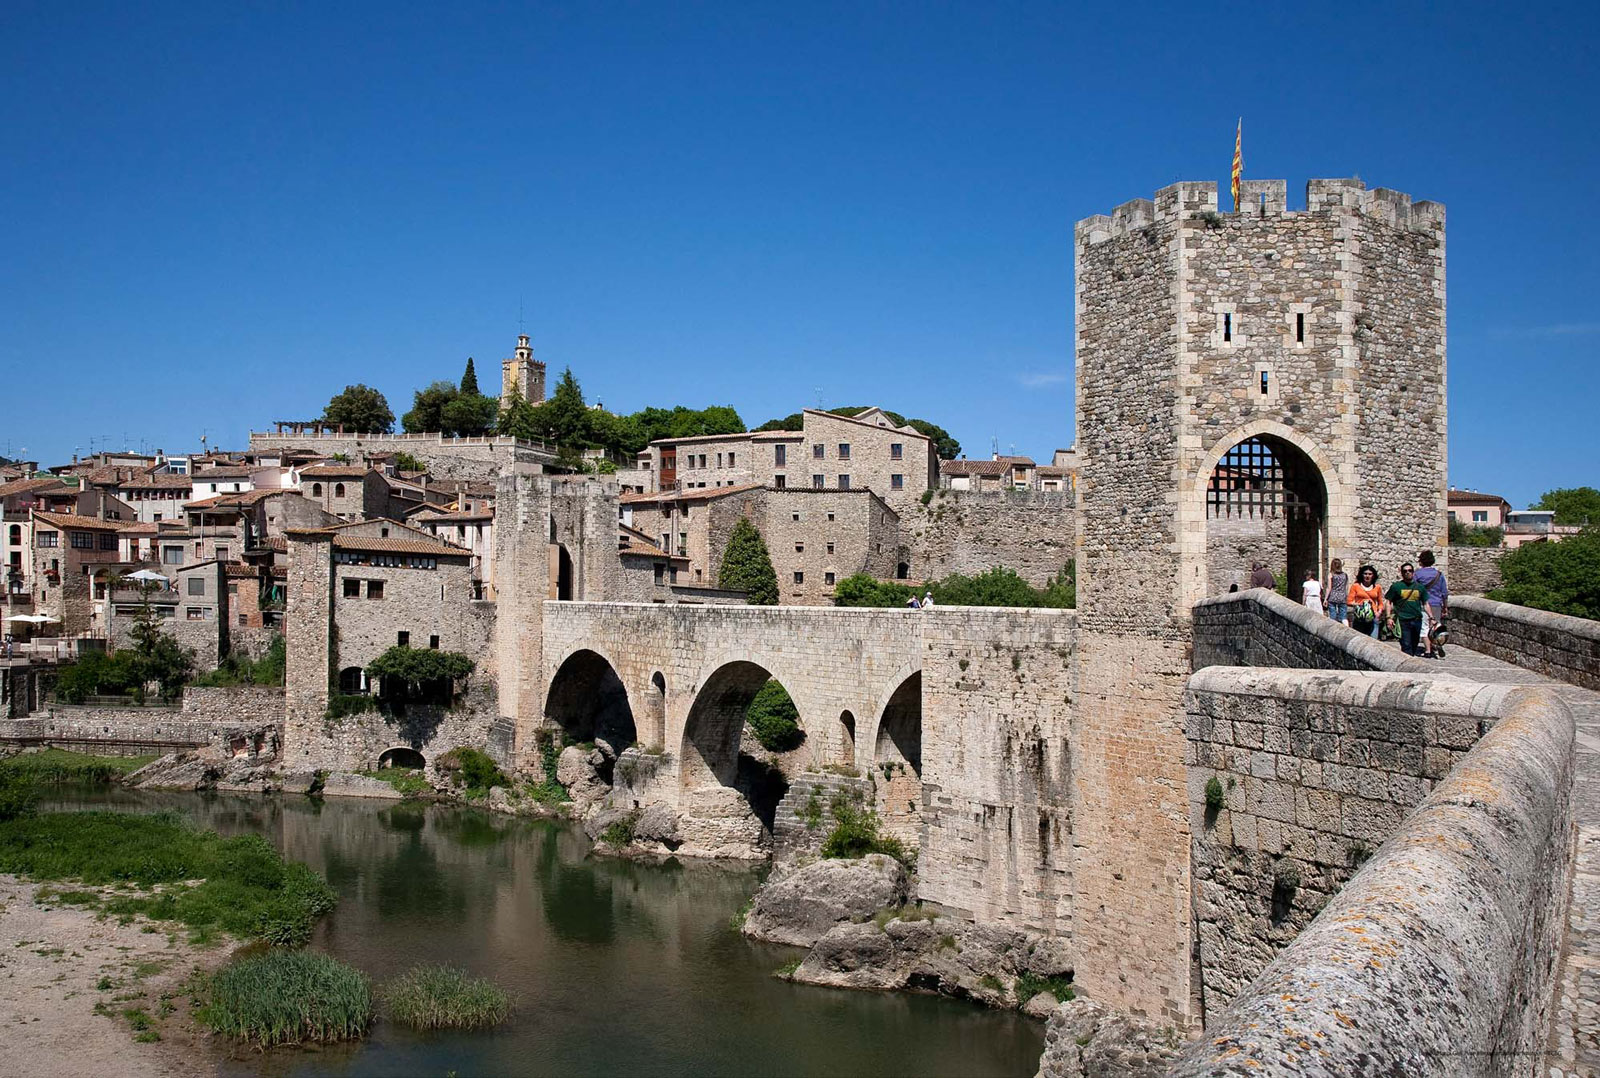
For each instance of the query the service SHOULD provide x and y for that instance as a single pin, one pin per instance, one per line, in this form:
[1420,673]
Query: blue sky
[214,216]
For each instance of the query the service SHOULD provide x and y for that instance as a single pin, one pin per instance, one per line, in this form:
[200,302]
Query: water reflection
[618,967]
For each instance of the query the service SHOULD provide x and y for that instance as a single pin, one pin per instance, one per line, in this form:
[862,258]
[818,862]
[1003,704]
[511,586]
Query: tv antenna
[819,398]
[521,327]
[994,448]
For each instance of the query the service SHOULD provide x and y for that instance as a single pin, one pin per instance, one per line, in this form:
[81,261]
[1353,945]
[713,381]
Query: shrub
[855,834]
[993,587]
[287,997]
[1562,577]
[473,768]
[342,705]
[16,796]
[245,888]
[443,997]
[864,590]
[619,833]
[421,674]
[1030,984]
[1214,800]
[98,674]
[243,670]
[1463,534]
[774,718]
[407,780]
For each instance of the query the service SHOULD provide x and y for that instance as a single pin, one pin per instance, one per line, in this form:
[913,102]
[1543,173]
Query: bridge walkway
[1574,1044]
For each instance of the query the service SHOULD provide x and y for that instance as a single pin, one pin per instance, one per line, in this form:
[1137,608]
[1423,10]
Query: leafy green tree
[747,567]
[864,590]
[405,462]
[427,408]
[424,674]
[993,587]
[775,719]
[1562,577]
[469,415]
[1474,534]
[360,408]
[1062,590]
[1572,505]
[469,381]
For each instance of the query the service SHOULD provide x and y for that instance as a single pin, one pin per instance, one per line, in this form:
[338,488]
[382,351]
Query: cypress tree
[747,567]
[469,380]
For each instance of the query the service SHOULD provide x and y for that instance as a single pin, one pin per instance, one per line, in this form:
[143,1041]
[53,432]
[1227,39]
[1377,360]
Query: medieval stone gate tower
[1257,383]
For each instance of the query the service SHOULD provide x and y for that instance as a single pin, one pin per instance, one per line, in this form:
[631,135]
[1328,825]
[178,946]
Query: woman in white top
[1312,591]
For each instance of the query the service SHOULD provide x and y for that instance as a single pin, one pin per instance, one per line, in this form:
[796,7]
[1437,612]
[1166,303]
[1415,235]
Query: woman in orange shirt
[1366,602]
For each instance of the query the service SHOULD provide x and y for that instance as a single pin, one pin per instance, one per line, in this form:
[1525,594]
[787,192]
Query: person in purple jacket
[1437,607]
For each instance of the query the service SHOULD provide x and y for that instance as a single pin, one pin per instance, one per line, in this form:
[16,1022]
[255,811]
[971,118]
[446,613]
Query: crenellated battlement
[1192,199]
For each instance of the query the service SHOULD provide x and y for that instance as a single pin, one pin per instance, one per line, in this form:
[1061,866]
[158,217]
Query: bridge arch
[401,756]
[712,749]
[588,701]
[897,760]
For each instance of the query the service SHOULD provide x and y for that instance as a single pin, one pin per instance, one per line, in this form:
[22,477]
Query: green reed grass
[54,766]
[442,997]
[287,997]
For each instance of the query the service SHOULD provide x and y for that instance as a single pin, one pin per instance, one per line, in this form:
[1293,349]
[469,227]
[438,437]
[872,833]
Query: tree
[1462,534]
[360,408]
[774,718]
[1562,577]
[1572,505]
[427,408]
[469,380]
[994,587]
[864,590]
[469,415]
[421,674]
[747,567]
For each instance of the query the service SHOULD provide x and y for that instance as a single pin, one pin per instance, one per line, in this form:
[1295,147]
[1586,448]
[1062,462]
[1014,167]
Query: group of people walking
[1413,609]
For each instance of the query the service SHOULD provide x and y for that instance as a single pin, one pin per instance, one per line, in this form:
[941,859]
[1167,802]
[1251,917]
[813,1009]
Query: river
[616,967]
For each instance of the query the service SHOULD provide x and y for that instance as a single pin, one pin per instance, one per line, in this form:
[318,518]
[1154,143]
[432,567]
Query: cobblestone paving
[1574,1044]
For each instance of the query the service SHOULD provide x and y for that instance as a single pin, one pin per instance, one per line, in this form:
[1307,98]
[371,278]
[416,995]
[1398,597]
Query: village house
[67,550]
[348,491]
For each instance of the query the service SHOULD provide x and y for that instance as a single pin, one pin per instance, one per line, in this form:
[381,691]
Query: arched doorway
[1266,501]
[402,757]
[588,701]
[563,573]
[897,762]
[712,750]
[352,681]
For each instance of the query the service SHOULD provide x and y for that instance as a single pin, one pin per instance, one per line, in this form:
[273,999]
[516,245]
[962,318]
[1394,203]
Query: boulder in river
[803,905]
[1085,1038]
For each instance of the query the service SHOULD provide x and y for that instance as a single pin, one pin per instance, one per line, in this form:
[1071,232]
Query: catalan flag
[1238,162]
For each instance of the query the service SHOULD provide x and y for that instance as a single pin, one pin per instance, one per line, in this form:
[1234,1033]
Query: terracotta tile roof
[634,541]
[399,546]
[164,481]
[1473,497]
[973,467]
[239,499]
[241,571]
[336,471]
[27,486]
[1029,461]
[138,528]
[454,516]
[228,471]
[693,439]
[699,494]
[73,520]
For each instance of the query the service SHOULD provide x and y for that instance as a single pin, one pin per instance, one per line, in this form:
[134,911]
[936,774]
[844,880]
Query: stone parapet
[208,716]
[1262,628]
[1556,645]
[1436,958]
[1475,570]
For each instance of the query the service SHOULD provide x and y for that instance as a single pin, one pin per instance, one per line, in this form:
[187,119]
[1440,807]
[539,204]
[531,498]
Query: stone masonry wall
[998,766]
[1315,771]
[969,532]
[478,459]
[1555,645]
[1437,957]
[1262,628]
[1475,570]
[207,716]
[839,533]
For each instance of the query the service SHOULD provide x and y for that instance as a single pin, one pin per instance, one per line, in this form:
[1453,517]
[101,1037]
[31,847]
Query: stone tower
[1252,385]
[523,373]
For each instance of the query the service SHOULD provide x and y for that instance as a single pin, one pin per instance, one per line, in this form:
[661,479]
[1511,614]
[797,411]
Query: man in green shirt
[1406,597]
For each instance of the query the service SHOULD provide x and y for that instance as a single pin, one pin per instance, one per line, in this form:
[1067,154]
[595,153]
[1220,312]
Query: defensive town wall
[206,716]
[1475,570]
[958,531]
[478,459]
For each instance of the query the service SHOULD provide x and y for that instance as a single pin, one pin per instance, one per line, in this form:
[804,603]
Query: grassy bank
[53,766]
[164,868]
[441,997]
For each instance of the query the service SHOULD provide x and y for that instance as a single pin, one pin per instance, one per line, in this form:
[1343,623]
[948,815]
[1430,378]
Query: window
[1227,327]
[222,553]
[197,548]
[48,539]
[172,555]
[827,578]
[830,548]
[799,577]
[896,450]
[244,619]
[16,534]
[316,490]
[799,548]
[352,588]
[897,482]
[844,450]
[780,455]
[1480,516]
[233,589]
[403,638]
[197,585]
[1300,328]
[683,542]
[81,540]
[108,541]
[794,516]
[816,482]
[730,460]
[383,533]
[844,482]
[198,613]
[374,589]
[830,516]
[1266,381]
[661,572]
[780,481]
[816,452]
[719,460]
[338,490]
[433,643]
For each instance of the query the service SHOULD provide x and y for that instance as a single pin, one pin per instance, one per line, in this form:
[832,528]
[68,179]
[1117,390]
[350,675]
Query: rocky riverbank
[83,995]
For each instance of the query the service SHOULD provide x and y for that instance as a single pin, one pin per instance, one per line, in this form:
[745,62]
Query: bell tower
[523,373]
